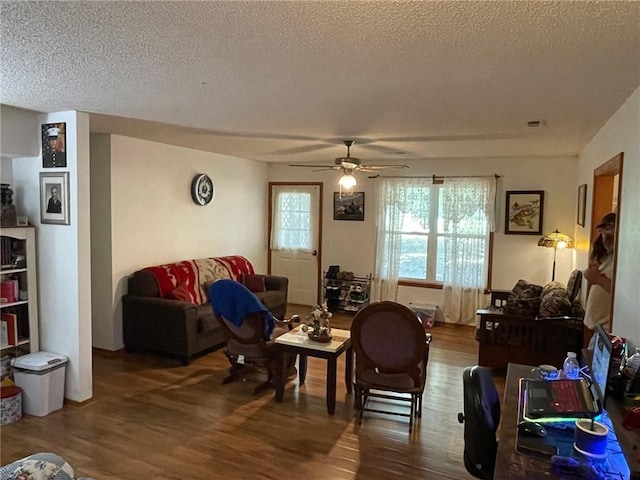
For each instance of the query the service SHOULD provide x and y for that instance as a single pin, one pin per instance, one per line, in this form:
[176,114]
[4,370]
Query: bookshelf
[18,291]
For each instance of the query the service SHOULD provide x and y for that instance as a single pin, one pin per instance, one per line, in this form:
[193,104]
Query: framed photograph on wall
[523,212]
[348,206]
[54,145]
[54,198]
[582,204]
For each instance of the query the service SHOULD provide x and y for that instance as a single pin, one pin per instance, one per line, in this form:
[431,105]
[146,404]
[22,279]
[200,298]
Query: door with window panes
[294,239]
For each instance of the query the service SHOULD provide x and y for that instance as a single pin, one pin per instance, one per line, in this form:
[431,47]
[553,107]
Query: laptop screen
[601,360]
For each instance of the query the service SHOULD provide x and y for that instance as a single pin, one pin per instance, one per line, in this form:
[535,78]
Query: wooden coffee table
[297,341]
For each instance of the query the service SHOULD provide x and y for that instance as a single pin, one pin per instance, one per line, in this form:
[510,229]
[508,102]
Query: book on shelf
[8,290]
[10,320]
[4,334]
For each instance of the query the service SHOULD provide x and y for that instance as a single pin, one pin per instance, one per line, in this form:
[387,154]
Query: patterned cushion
[181,292]
[574,284]
[554,301]
[524,299]
[255,283]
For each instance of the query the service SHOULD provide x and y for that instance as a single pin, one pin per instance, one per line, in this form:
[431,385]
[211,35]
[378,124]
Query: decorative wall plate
[202,190]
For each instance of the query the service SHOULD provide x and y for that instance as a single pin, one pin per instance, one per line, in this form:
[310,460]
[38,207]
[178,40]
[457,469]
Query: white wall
[16,133]
[153,219]
[64,276]
[621,133]
[352,244]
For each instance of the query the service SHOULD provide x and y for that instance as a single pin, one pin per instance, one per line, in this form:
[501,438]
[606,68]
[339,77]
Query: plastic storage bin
[40,375]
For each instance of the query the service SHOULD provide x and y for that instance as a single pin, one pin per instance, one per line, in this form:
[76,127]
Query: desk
[510,465]
[297,341]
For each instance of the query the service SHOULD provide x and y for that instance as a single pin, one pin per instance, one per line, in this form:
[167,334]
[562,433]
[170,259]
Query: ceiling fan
[349,164]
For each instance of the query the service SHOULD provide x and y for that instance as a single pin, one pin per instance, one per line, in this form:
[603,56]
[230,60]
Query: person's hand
[592,273]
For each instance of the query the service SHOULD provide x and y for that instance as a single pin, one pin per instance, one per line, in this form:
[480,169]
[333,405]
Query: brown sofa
[167,310]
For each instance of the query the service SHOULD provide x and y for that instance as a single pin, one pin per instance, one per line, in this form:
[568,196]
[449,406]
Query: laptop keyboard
[566,397]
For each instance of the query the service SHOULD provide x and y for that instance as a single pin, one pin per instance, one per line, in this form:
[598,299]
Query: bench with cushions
[531,324]
[167,308]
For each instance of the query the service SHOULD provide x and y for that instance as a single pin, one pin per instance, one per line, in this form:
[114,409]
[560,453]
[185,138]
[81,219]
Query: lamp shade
[556,239]
[347,181]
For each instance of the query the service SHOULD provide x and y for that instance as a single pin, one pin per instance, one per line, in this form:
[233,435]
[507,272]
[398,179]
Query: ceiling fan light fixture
[347,181]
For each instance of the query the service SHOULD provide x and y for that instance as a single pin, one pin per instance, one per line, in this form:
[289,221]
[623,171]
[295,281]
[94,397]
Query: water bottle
[633,362]
[571,367]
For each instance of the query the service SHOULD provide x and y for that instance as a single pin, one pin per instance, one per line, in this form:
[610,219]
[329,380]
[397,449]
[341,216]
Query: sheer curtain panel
[467,209]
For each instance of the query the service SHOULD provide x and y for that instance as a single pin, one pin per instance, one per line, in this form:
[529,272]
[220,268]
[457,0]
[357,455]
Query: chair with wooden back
[391,353]
[250,330]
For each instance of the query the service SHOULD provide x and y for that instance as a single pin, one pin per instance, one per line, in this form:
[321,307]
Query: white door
[295,236]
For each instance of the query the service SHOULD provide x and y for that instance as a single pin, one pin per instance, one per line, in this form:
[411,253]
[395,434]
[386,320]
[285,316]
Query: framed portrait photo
[582,204]
[54,145]
[523,212]
[348,206]
[54,198]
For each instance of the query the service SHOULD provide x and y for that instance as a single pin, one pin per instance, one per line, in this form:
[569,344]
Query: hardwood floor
[152,418]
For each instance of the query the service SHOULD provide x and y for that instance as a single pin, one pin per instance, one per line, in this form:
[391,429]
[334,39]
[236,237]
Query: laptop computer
[568,399]
[601,362]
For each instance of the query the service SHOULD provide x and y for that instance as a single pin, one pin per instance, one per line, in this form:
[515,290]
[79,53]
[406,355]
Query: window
[292,220]
[430,229]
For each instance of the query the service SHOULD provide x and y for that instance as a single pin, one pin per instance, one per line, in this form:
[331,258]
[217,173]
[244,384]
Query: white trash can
[40,375]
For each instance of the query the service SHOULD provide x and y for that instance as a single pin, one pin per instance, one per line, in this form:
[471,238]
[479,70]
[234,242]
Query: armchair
[250,330]
[391,352]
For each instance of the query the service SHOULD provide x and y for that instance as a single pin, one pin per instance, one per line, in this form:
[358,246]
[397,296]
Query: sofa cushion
[271,298]
[524,299]
[181,292]
[255,283]
[554,300]
[206,319]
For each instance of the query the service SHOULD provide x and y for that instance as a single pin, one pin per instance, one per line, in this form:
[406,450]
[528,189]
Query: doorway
[607,180]
[295,233]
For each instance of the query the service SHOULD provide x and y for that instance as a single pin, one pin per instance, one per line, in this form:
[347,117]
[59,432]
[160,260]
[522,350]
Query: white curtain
[468,210]
[292,226]
[395,197]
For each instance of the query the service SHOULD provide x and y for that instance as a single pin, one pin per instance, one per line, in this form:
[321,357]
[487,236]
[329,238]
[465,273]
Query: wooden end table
[297,341]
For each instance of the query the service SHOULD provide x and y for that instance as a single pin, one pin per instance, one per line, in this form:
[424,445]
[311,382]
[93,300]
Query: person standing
[599,275]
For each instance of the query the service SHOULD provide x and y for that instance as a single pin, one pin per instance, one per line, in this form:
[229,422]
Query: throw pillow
[554,301]
[181,292]
[524,299]
[255,283]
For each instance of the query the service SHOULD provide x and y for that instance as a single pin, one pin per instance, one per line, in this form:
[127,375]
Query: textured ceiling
[286,81]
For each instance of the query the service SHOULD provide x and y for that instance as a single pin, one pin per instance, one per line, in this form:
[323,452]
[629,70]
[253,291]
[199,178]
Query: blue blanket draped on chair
[234,301]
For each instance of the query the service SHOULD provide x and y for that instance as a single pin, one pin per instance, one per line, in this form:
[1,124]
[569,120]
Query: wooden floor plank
[152,418]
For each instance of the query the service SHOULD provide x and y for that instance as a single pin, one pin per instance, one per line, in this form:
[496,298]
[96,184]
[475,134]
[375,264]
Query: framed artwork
[348,206]
[54,198]
[54,145]
[523,212]
[582,203]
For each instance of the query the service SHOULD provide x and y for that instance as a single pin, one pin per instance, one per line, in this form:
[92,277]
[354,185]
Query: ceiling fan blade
[302,149]
[326,168]
[376,168]
[310,165]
